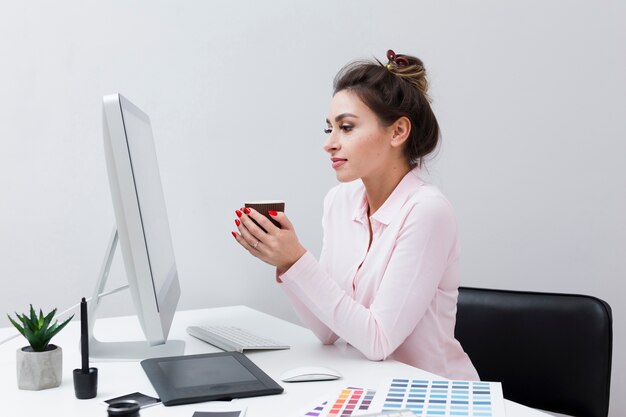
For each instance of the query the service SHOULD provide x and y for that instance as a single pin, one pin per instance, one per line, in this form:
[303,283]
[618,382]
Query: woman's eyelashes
[344,127]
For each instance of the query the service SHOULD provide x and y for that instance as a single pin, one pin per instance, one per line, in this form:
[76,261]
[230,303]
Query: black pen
[85,378]
[84,336]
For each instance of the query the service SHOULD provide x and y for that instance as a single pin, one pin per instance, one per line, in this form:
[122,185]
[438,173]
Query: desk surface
[119,378]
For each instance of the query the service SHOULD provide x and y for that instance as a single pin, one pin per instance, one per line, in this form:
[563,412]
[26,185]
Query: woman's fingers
[250,235]
[254,228]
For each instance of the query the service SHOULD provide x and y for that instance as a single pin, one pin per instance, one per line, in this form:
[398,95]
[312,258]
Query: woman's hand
[278,246]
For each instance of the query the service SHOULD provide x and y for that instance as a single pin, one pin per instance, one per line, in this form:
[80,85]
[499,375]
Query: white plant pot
[39,370]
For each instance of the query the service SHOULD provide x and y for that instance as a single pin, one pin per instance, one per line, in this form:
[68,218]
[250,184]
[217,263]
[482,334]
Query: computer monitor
[143,231]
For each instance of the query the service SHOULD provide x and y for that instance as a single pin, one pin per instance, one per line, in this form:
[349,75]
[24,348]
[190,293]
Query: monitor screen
[150,200]
[141,220]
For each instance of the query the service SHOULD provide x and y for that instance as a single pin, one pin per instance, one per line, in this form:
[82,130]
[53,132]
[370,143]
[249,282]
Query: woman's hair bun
[409,68]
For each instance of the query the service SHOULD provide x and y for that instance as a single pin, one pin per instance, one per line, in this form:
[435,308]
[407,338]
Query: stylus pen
[84,336]
[85,378]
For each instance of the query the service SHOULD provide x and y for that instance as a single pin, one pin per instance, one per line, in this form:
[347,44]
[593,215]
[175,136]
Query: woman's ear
[400,131]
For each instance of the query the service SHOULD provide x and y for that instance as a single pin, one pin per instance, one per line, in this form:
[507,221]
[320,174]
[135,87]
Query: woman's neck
[379,188]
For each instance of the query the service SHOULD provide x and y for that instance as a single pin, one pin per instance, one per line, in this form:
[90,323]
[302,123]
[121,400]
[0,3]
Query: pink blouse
[398,299]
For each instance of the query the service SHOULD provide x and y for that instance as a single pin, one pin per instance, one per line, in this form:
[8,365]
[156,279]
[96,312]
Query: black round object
[126,408]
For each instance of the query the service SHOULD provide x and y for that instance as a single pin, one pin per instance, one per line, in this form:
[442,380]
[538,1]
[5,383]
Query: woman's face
[358,144]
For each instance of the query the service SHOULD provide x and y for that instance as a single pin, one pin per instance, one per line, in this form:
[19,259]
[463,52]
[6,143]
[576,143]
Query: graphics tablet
[207,377]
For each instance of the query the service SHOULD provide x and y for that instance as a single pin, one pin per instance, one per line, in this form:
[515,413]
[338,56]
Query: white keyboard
[233,339]
[389,413]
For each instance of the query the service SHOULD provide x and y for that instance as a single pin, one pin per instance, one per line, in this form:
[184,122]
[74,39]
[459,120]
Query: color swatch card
[440,397]
[347,402]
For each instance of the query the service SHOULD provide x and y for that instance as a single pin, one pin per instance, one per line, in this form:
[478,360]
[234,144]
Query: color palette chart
[441,397]
[348,401]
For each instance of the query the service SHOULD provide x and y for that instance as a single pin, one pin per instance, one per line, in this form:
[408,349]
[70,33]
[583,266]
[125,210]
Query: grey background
[530,97]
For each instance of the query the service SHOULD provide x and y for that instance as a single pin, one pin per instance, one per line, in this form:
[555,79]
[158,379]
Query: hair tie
[395,60]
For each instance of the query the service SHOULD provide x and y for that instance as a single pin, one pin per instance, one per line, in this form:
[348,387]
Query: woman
[387,279]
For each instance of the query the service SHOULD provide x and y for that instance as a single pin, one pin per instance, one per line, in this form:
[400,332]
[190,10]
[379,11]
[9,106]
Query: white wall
[530,97]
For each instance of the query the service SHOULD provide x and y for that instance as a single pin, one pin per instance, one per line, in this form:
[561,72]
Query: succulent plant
[37,329]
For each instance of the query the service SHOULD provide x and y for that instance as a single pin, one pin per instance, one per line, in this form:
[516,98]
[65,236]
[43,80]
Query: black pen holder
[86,383]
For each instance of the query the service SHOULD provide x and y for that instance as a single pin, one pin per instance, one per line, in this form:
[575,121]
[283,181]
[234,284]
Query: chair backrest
[550,351]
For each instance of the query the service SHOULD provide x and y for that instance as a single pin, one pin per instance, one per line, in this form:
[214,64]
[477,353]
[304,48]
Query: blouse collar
[403,191]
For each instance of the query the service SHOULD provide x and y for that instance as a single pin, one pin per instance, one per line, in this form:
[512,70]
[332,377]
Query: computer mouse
[309,373]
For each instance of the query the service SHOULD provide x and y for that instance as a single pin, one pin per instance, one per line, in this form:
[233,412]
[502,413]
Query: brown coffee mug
[264,207]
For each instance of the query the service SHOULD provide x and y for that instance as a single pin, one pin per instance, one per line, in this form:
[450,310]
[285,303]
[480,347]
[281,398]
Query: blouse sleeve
[321,330]
[423,250]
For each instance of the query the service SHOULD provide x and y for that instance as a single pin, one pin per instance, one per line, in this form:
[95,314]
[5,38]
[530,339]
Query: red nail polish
[272,213]
[238,213]
[246,210]
[237,222]
[234,235]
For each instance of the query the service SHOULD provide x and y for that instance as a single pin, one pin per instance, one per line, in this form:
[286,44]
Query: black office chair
[549,351]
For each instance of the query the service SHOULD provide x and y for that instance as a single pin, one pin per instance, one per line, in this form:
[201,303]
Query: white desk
[118,378]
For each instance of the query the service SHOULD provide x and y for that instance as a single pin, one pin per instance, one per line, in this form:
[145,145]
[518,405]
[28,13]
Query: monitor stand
[132,350]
